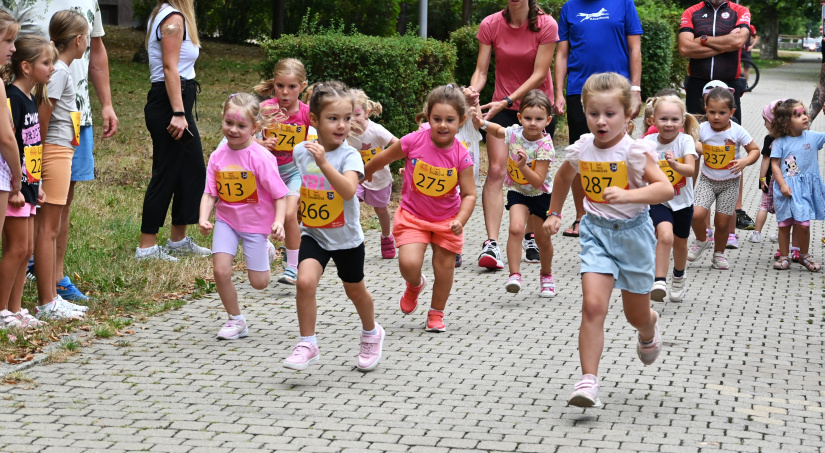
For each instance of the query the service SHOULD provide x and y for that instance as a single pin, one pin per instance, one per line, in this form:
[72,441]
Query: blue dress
[800,168]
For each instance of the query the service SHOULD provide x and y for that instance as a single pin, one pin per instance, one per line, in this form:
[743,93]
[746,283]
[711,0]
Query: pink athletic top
[515,52]
[299,119]
[250,211]
[422,185]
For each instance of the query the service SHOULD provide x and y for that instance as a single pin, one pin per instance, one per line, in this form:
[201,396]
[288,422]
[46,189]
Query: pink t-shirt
[299,119]
[430,187]
[250,208]
[515,52]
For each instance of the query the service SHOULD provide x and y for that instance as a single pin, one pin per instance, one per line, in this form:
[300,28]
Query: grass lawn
[784,58]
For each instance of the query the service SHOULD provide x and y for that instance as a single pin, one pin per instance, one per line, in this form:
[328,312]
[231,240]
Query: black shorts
[350,262]
[681,219]
[508,117]
[537,205]
[746,55]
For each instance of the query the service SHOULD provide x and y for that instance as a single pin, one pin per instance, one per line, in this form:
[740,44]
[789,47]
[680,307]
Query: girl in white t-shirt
[721,170]
[672,219]
[620,178]
[373,138]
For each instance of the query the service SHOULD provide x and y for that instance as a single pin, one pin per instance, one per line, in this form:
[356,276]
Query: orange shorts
[57,173]
[409,229]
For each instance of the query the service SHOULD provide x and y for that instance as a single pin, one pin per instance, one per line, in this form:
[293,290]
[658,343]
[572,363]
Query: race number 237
[718,157]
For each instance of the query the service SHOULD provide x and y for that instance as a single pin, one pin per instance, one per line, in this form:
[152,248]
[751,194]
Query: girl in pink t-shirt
[288,81]
[432,210]
[242,180]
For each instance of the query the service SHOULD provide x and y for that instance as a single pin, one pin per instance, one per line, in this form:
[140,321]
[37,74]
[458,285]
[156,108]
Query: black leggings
[178,171]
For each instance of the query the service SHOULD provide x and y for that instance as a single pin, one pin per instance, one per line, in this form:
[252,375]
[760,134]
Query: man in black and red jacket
[711,34]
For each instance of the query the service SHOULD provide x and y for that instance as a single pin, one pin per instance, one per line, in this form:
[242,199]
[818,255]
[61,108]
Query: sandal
[809,263]
[783,263]
[573,231]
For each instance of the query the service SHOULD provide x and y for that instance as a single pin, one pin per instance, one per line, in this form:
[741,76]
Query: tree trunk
[770,35]
[466,12]
[278,11]
[401,22]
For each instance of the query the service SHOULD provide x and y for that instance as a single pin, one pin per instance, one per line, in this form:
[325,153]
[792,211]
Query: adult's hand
[110,121]
[637,104]
[493,108]
[559,105]
[176,126]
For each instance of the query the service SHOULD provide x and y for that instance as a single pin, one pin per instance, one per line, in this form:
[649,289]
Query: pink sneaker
[586,393]
[388,247]
[27,320]
[233,329]
[371,346]
[435,321]
[409,300]
[303,355]
[648,353]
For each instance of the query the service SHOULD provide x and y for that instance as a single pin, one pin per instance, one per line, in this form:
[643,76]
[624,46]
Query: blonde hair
[187,9]
[30,48]
[649,111]
[326,92]
[691,126]
[287,66]
[308,93]
[245,102]
[608,81]
[364,101]
[8,26]
[65,26]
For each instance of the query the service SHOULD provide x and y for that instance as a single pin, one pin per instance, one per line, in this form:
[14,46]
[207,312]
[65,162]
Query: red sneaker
[388,247]
[409,300]
[435,321]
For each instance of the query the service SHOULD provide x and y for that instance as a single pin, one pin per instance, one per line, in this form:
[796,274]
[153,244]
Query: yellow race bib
[34,162]
[321,208]
[288,136]
[76,123]
[719,156]
[368,154]
[597,176]
[237,186]
[433,181]
[676,179]
[515,173]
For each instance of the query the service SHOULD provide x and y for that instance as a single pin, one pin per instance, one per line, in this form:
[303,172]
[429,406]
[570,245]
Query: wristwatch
[703,40]
[509,101]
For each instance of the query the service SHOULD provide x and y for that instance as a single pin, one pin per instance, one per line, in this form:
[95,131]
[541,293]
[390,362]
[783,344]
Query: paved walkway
[741,369]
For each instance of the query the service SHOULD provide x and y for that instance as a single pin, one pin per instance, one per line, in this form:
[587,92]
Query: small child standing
[432,210]
[798,193]
[330,169]
[242,181]
[620,178]
[672,219]
[10,170]
[765,175]
[371,140]
[529,183]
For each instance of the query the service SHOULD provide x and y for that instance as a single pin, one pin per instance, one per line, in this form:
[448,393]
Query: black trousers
[178,171]
[694,97]
[576,121]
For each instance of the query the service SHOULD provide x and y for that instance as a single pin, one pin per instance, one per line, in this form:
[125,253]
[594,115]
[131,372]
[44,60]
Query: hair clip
[450,85]
[233,95]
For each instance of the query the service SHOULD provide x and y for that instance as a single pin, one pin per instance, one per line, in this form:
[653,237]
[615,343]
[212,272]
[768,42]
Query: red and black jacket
[702,19]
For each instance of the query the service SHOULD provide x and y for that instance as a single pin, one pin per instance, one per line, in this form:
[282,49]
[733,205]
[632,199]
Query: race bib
[237,186]
[287,135]
[515,173]
[321,208]
[34,162]
[433,181]
[597,176]
[76,123]
[368,154]
[676,179]
[719,157]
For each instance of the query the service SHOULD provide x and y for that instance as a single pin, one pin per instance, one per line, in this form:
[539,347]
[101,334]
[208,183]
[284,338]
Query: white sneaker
[273,254]
[56,310]
[7,319]
[186,246]
[153,252]
[659,291]
[696,249]
[719,261]
[774,238]
[71,306]
[755,236]
[677,288]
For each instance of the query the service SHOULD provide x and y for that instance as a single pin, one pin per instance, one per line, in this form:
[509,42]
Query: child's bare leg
[410,261]
[222,265]
[544,243]
[362,299]
[761,217]
[259,279]
[803,235]
[292,231]
[638,313]
[309,274]
[385,220]
[444,268]
[596,289]
[664,243]
[15,247]
[720,235]
[700,216]
[784,240]
[518,217]
[794,237]
[680,251]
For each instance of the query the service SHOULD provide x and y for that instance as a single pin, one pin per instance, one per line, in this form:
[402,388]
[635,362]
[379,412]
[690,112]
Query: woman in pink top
[524,39]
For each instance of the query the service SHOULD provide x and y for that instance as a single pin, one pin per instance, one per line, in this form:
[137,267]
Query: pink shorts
[376,198]
[791,221]
[255,250]
[27,210]
[409,229]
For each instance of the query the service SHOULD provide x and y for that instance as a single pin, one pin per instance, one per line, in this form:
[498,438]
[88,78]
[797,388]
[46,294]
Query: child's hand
[17,200]
[521,159]
[615,195]
[269,143]
[457,227]
[551,225]
[737,165]
[367,176]
[764,186]
[205,226]
[317,152]
[478,120]
[41,196]
[786,190]
[401,171]
[277,231]
[670,158]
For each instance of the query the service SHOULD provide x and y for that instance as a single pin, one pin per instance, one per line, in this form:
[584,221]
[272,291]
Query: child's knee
[357,293]
[516,229]
[259,280]
[223,273]
[593,309]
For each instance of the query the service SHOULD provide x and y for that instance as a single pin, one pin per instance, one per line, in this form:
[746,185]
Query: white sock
[310,339]
[374,331]
[235,318]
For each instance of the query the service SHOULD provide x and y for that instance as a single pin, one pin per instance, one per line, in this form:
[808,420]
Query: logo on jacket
[725,15]
[602,14]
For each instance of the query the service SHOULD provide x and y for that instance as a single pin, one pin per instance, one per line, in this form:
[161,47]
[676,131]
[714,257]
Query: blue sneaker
[67,290]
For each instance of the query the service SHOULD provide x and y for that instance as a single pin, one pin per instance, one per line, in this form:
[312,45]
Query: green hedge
[466,47]
[669,13]
[657,48]
[398,72]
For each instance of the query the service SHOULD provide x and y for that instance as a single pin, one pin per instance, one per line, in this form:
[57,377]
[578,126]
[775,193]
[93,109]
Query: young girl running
[721,171]
[672,219]
[31,66]
[528,182]
[60,133]
[242,180]
[281,93]
[10,170]
[373,139]
[620,178]
[432,211]
[330,169]
[798,192]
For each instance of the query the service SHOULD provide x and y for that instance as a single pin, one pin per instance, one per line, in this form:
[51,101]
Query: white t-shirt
[188,51]
[681,146]
[61,87]
[374,136]
[40,13]
[734,138]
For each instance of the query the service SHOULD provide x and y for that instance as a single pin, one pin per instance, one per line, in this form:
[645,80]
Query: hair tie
[450,85]
[233,95]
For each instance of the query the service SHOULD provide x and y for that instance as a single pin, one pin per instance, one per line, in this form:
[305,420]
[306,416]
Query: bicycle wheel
[753,79]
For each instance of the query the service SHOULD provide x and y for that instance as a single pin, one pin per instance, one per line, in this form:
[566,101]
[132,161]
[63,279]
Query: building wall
[116,12]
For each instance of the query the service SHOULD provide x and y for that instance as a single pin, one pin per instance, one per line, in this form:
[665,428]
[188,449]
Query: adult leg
[577,126]
[492,201]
